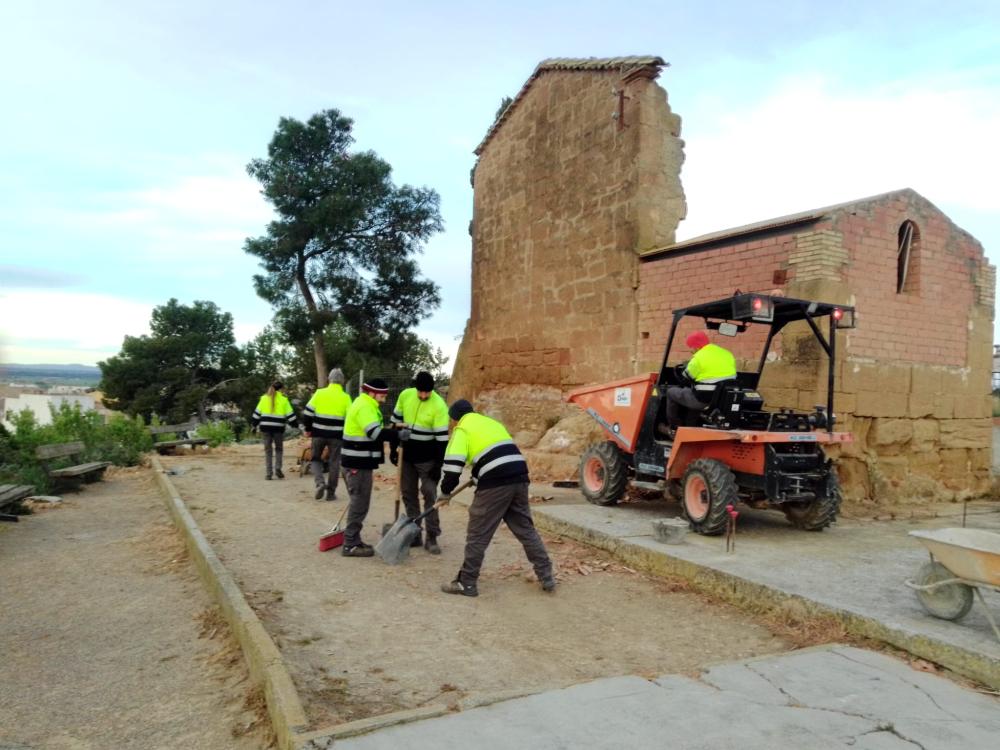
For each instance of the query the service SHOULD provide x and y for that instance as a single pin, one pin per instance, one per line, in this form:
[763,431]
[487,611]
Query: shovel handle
[444,500]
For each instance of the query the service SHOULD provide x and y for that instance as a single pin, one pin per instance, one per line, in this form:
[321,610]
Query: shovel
[394,547]
[399,493]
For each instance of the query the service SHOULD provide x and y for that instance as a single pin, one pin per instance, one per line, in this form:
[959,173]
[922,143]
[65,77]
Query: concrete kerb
[759,598]
[267,669]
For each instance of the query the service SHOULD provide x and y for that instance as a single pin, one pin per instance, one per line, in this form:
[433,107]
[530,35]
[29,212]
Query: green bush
[122,441]
[217,433]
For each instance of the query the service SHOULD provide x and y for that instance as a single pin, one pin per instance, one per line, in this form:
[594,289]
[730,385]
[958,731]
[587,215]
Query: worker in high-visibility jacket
[323,419]
[501,477]
[422,416]
[709,365]
[272,415]
[364,433]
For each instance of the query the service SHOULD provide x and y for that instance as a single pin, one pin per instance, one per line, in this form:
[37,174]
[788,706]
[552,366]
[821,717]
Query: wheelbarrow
[963,562]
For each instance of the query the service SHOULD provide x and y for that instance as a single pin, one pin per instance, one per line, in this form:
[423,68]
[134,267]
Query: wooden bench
[164,446]
[10,496]
[69,475]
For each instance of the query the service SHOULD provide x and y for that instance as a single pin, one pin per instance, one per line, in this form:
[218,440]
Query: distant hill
[51,374]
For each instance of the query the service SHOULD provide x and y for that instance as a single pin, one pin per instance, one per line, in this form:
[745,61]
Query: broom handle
[399,479]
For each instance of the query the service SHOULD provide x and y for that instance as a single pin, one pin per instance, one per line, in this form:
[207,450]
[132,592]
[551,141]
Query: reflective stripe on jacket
[487,446]
[362,435]
[325,412]
[428,424]
[710,365]
[273,418]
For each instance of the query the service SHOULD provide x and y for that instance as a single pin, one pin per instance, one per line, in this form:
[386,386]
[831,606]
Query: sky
[126,129]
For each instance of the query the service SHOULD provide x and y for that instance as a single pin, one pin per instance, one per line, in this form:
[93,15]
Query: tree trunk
[318,351]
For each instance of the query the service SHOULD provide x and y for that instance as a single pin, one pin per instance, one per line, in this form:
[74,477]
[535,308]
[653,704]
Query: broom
[394,547]
[335,536]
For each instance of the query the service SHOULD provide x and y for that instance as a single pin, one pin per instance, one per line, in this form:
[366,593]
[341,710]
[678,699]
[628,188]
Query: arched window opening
[907,258]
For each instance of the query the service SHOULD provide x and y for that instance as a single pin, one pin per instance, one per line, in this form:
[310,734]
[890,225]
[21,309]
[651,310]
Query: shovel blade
[394,547]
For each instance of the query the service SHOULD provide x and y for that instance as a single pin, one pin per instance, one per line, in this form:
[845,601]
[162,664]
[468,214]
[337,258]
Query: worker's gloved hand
[394,455]
[449,483]
[404,434]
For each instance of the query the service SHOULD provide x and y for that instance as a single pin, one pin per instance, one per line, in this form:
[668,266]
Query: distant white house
[39,403]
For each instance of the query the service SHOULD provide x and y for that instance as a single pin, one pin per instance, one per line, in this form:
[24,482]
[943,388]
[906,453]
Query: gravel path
[107,637]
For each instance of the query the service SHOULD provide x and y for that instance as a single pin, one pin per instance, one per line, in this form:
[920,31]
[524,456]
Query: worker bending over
[709,365]
[501,477]
[422,416]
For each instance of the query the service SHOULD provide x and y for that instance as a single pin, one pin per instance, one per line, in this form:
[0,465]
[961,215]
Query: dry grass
[163,544]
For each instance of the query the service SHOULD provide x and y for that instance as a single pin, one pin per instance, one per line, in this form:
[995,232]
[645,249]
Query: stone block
[955,468]
[925,434]
[944,406]
[970,407]
[920,405]
[925,380]
[891,431]
[886,403]
[966,433]
[981,459]
[779,398]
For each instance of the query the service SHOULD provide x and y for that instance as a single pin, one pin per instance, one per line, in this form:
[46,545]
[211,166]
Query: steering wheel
[680,371]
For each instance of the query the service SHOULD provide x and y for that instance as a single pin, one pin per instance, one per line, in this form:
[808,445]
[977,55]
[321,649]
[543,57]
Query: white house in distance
[39,403]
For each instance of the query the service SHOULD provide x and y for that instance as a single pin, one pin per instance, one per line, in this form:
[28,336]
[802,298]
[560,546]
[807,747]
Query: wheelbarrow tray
[972,554]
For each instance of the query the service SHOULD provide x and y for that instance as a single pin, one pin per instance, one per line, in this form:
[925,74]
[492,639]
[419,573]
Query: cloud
[22,277]
[811,143]
[56,327]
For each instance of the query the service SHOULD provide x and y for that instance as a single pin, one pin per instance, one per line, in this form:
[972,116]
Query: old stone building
[575,272]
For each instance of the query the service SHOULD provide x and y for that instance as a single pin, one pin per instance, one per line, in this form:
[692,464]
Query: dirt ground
[362,638]
[107,637]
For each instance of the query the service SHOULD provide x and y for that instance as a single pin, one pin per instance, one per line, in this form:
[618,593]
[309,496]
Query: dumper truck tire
[603,473]
[817,514]
[708,487]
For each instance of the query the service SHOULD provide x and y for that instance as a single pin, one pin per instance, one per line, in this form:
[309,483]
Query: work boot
[279,474]
[417,541]
[267,476]
[320,491]
[358,550]
[331,495]
[549,584]
[431,545]
[457,587]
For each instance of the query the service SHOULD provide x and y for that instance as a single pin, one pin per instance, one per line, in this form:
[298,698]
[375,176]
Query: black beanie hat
[424,381]
[376,385]
[459,409]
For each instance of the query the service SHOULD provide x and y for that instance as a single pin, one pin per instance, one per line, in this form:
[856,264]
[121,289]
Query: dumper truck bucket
[619,407]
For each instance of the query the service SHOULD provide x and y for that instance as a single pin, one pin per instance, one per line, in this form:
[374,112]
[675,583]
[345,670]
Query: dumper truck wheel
[709,486]
[817,514]
[949,602]
[603,473]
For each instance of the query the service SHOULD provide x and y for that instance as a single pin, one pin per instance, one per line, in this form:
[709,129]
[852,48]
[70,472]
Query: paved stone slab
[857,568]
[832,697]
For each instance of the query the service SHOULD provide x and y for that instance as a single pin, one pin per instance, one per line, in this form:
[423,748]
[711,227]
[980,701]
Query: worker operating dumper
[501,476]
[422,416]
[710,365]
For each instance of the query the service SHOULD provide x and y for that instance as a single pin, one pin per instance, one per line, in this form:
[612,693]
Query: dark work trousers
[421,473]
[274,443]
[359,489]
[678,397]
[332,467]
[507,503]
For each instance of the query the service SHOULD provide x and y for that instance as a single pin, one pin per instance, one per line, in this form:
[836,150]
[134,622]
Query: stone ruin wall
[913,379]
[563,198]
